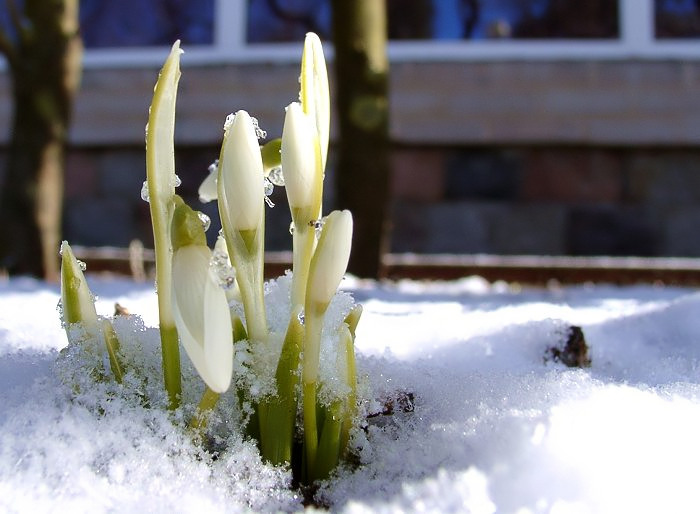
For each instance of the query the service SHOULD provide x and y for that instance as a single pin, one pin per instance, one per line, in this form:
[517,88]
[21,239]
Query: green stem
[206,405]
[160,175]
[277,436]
[246,249]
[171,364]
[351,377]
[313,324]
[329,444]
[310,429]
[303,242]
[112,343]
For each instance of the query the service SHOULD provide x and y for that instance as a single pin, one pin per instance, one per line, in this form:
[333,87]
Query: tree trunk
[44,60]
[362,71]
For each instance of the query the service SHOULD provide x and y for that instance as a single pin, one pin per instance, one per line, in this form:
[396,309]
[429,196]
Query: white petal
[331,258]
[241,170]
[218,337]
[202,316]
[314,90]
[299,151]
[190,268]
[192,346]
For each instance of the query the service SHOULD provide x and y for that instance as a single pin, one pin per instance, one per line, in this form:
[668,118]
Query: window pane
[120,23]
[289,20]
[677,19]
[273,21]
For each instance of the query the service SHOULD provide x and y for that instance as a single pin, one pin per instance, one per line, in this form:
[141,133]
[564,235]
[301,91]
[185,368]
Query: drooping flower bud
[202,316]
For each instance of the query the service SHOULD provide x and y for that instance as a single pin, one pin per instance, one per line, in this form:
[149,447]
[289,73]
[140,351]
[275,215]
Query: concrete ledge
[524,269]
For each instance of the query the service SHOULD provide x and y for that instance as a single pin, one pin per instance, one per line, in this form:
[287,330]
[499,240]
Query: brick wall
[541,157]
[503,200]
[547,200]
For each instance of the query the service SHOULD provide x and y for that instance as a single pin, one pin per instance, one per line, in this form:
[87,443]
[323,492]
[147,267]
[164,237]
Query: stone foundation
[501,200]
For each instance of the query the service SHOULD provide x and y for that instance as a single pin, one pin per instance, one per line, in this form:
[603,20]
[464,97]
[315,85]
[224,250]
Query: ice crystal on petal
[175,181]
[317,226]
[268,188]
[228,122]
[259,133]
[206,220]
[276,177]
[144,192]
[224,272]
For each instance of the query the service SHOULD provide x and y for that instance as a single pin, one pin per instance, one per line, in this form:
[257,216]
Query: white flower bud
[241,174]
[331,258]
[202,316]
[300,164]
[315,95]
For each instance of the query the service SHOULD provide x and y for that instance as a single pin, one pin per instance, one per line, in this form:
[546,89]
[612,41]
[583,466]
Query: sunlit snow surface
[494,427]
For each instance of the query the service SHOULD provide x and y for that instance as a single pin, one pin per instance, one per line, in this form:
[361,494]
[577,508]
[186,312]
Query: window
[677,19]
[129,23]
[138,32]
[289,20]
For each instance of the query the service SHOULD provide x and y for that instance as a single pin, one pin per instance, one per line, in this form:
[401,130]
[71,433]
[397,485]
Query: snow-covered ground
[493,426]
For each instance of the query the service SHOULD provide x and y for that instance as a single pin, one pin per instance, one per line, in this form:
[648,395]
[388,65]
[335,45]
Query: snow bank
[481,422]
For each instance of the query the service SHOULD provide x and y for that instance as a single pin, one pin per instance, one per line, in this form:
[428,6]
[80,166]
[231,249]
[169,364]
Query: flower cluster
[213,302]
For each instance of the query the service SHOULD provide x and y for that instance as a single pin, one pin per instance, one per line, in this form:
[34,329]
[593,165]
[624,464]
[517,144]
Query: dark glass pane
[677,19]
[275,21]
[120,23]
[289,20]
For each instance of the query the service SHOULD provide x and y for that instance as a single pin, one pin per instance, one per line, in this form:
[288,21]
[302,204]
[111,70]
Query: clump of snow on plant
[260,382]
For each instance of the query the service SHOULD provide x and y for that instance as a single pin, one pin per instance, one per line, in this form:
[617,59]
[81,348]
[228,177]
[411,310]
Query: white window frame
[636,41]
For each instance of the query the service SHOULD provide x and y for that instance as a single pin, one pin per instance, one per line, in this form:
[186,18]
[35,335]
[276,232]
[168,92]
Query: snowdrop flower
[330,259]
[300,162]
[200,307]
[241,175]
[315,95]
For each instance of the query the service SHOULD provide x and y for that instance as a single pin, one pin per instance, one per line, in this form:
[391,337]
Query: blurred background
[535,127]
